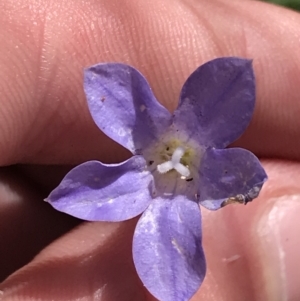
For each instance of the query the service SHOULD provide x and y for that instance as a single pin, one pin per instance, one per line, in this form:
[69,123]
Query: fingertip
[252,251]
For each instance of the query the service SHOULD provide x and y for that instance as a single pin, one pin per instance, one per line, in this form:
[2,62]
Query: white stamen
[165,167]
[174,163]
[177,155]
[184,171]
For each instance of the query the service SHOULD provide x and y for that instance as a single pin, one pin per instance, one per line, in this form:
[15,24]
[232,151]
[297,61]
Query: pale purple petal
[228,176]
[217,102]
[167,249]
[123,105]
[97,192]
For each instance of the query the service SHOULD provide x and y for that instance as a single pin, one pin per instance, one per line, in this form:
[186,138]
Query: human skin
[253,251]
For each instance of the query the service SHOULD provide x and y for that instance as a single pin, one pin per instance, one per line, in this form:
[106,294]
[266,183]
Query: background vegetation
[294,4]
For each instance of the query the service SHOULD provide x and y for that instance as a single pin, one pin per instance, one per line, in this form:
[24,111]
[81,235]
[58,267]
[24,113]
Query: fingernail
[279,248]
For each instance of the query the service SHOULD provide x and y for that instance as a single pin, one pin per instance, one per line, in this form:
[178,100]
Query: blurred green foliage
[295,4]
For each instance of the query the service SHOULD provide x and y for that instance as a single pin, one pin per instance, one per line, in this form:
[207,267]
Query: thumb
[253,252]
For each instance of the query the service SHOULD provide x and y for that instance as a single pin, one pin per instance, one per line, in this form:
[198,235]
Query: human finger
[44,116]
[252,253]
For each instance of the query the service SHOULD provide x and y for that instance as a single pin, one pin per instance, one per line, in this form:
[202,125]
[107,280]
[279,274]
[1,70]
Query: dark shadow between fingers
[27,224]
[105,270]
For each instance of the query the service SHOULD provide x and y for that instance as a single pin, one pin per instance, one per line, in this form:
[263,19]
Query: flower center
[175,163]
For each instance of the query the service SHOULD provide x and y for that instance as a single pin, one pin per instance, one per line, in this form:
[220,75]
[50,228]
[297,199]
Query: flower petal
[229,176]
[167,249]
[123,105]
[217,102]
[97,192]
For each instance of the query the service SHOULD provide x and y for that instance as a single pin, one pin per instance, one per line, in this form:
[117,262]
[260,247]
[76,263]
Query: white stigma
[174,163]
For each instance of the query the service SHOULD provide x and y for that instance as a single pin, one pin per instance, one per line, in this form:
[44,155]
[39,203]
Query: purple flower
[178,162]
